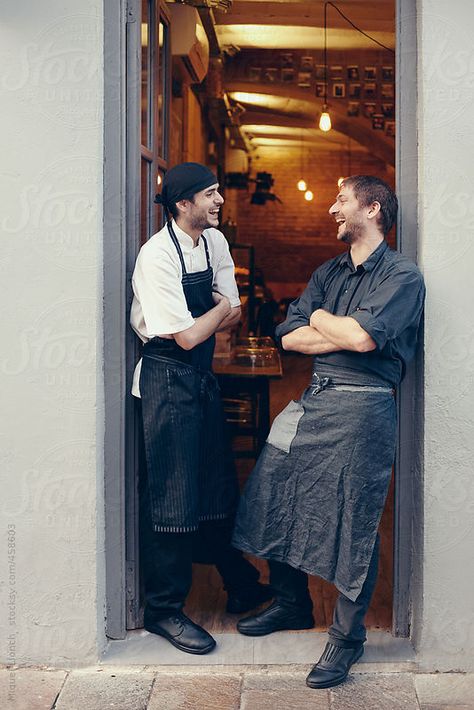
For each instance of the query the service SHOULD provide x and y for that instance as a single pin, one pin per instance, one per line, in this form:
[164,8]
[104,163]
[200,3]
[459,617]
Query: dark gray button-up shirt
[385,295]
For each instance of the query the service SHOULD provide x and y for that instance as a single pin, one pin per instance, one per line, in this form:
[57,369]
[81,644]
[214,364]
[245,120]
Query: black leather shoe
[182,633]
[333,666]
[247,598]
[275,618]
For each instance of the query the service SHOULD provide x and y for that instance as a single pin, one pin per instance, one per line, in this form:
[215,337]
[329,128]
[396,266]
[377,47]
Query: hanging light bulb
[325,120]
[302,186]
[340,181]
[308,195]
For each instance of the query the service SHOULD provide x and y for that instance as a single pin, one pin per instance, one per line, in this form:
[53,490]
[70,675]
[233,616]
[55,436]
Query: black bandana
[183,181]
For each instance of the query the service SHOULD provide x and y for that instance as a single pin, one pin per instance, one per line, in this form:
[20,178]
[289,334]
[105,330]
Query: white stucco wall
[446,227]
[51,128]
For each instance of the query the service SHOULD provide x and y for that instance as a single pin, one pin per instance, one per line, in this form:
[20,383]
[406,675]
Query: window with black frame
[155,73]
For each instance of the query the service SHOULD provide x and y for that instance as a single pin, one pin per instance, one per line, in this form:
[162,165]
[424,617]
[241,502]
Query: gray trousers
[347,629]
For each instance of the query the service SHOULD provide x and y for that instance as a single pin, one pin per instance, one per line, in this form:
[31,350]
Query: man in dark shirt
[314,500]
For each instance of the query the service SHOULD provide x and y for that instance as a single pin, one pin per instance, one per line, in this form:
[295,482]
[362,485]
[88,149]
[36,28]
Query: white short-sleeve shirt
[159,305]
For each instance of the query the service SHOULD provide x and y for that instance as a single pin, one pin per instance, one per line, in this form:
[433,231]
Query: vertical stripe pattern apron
[190,471]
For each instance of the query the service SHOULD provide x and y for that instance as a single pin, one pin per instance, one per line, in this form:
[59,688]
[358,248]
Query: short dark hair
[173,210]
[368,189]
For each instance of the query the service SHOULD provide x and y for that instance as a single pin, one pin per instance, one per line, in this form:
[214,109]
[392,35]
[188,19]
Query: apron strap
[174,239]
[207,251]
[178,248]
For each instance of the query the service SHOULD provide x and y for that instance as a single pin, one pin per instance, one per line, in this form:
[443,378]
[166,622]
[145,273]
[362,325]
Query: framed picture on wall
[390,128]
[370,73]
[319,72]
[353,108]
[270,75]
[335,72]
[287,76]
[353,73]
[387,91]
[320,89]
[388,74]
[286,60]
[369,110]
[306,63]
[378,121]
[338,91]
[304,79]
[354,91]
[370,91]
[388,110]
[255,73]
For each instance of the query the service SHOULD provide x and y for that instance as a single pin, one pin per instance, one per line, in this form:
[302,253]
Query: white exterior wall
[52,596]
[445,625]
[51,429]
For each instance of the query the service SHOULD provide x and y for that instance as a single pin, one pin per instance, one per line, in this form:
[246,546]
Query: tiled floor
[237,688]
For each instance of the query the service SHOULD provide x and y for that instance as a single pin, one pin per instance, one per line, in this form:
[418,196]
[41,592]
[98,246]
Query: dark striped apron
[316,495]
[190,471]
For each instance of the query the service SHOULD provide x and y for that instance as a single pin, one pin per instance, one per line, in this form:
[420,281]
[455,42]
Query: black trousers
[167,560]
[347,629]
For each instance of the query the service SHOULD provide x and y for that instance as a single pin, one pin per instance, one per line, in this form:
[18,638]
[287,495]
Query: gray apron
[316,495]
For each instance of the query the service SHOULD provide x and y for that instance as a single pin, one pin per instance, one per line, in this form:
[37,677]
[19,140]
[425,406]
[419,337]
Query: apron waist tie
[319,384]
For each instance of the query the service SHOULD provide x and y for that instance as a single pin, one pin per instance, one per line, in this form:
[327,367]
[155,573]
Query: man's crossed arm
[327,333]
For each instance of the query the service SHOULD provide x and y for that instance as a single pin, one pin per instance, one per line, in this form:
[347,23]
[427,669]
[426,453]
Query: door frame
[409,463]
[113,350]
[121,197]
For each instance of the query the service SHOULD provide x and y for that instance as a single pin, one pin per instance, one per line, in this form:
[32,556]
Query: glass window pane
[160,213]
[144,200]
[162,89]
[145,92]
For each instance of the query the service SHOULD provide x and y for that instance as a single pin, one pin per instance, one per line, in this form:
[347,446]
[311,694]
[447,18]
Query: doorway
[306,257]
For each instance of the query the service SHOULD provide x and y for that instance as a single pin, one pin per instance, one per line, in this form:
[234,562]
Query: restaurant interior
[282,99]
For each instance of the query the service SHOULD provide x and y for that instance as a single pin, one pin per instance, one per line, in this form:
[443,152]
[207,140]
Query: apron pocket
[285,425]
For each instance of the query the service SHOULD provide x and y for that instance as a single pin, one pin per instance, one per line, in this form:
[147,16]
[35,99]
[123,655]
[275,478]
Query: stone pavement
[370,687]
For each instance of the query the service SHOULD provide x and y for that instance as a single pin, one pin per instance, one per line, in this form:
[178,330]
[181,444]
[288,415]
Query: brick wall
[293,238]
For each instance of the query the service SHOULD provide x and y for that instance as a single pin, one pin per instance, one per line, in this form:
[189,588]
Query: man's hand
[219,299]
[231,319]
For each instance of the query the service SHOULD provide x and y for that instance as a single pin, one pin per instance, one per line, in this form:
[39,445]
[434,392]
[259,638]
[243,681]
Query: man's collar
[183,237]
[371,260]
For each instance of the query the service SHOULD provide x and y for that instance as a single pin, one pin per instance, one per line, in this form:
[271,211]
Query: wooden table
[245,370]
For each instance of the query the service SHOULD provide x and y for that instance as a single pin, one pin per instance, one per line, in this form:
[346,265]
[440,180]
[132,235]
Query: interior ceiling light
[340,181]
[308,195]
[302,186]
[325,120]
[246,97]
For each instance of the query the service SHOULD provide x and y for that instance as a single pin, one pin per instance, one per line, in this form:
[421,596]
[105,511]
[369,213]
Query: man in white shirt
[184,292]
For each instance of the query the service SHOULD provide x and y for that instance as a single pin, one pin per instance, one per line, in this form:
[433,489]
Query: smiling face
[202,211]
[349,215]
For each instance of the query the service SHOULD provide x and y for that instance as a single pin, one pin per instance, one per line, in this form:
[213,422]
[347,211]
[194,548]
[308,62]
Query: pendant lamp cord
[326,52]
[352,25]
